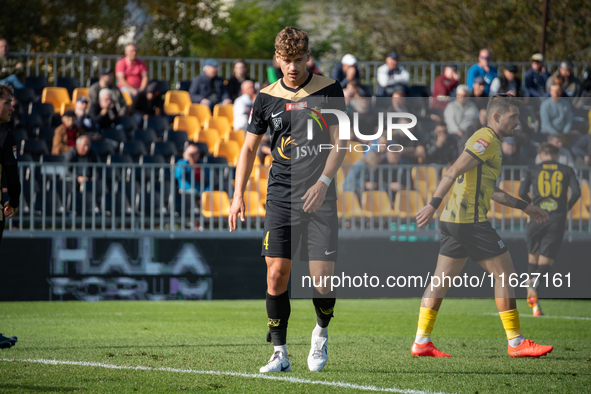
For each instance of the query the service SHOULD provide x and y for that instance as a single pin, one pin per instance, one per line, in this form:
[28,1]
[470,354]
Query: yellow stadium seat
[230,150]
[67,107]
[425,173]
[585,194]
[253,204]
[224,110]
[579,212]
[201,111]
[407,203]
[262,187]
[500,211]
[127,98]
[220,124]
[375,204]
[79,92]
[190,124]
[351,157]
[348,206]
[176,102]
[268,160]
[215,204]
[210,137]
[56,97]
[237,136]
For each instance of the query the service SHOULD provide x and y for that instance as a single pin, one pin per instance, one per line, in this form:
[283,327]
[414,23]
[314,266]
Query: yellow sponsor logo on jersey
[284,144]
[549,205]
[274,322]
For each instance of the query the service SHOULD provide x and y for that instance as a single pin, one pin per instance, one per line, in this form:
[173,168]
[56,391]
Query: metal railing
[176,69]
[124,199]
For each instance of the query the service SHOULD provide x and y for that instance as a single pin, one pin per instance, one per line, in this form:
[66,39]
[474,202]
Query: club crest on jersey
[277,124]
[480,145]
[296,106]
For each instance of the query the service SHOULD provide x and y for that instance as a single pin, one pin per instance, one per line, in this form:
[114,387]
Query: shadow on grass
[42,389]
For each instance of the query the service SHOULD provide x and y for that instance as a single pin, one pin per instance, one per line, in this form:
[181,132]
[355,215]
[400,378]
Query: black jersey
[287,113]
[9,168]
[551,181]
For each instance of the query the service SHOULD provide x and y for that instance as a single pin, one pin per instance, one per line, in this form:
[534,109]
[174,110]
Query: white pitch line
[547,316]
[223,373]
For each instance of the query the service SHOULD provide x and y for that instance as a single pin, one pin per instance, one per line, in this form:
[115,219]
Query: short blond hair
[291,42]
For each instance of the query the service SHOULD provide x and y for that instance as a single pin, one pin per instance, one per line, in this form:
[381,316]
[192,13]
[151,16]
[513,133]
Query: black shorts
[286,224]
[477,240]
[546,238]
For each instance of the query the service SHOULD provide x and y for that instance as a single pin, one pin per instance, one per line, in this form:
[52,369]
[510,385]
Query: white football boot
[279,362]
[318,354]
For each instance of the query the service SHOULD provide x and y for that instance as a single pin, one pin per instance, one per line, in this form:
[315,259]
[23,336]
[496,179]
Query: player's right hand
[425,215]
[536,213]
[236,209]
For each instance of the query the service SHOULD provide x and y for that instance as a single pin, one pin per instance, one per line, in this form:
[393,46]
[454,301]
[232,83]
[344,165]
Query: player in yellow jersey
[465,231]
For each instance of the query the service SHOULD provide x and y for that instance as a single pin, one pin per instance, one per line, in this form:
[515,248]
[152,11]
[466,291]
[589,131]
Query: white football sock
[422,340]
[282,348]
[320,331]
[516,341]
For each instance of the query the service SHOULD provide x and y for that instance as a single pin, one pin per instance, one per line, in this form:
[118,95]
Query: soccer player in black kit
[8,168]
[550,181]
[301,197]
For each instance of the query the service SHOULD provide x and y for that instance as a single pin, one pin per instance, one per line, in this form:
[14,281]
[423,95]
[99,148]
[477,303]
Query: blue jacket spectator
[346,70]
[556,113]
[483,69]
[535,77]
[208,88]
[188,167]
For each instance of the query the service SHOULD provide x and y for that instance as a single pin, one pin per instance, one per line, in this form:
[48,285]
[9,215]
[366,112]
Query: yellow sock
[510,321]
[426,322]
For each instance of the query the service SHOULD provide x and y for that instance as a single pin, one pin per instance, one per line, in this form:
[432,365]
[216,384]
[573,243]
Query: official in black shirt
[147,103]
[8,168]
[550,181]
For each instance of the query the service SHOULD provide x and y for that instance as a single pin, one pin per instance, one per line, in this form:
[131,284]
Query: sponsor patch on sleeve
[14,150]
[480,145]
[250,116]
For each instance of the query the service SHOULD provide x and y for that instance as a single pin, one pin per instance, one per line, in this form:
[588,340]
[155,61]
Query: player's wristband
[521,205]
[324,179]
[435,202]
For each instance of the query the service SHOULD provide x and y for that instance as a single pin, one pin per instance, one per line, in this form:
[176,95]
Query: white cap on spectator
[538,57]
[349,60]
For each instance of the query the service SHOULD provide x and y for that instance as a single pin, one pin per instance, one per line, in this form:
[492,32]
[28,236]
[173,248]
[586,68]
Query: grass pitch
[182,344]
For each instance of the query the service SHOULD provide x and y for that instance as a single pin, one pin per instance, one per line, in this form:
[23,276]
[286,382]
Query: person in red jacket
[443,86]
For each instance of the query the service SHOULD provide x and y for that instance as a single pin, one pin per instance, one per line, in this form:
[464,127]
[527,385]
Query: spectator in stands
[104,112]
[354,89]
[396,176]
[345,70]
[481,99]
[243,105]
[461,115]
[587,83]
[83,120]
[147,103]
[312,67]
[106,82]
[582,150]
[414,151]
[82,154]
[398,101]
[444,85]
[441,147]
[239,75]
[189,166]
[483,69]
[11,69]
[511,157]
[66,134]
[564,155]
[508,83]
[390,75]
[363,175]
[536,77]
[571,85]
[208,88]
[556,114]
[132,73]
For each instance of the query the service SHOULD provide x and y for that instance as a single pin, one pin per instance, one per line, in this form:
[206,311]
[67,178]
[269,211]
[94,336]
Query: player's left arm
[575,189]
[504,198]
[315,195]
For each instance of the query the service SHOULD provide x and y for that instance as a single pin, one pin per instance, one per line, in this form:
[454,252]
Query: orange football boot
[529,349]
[427,349]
